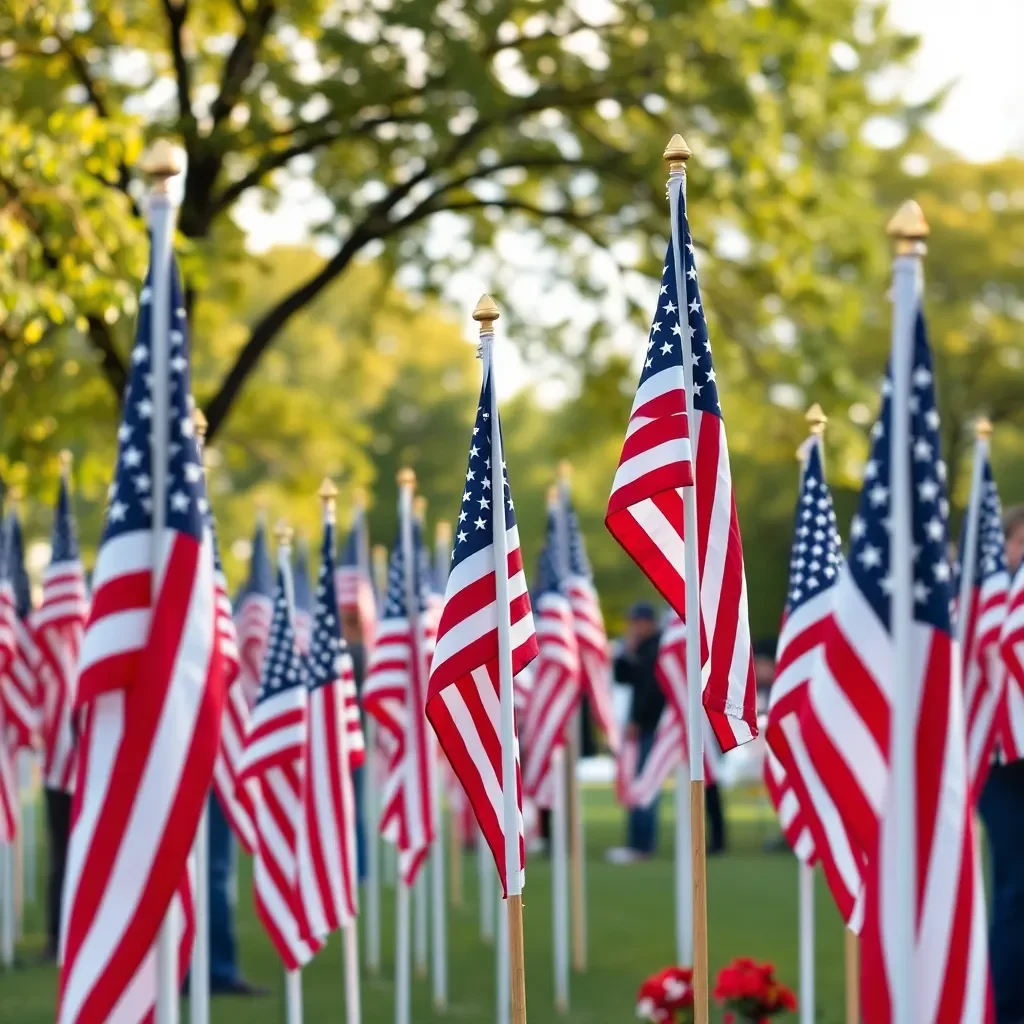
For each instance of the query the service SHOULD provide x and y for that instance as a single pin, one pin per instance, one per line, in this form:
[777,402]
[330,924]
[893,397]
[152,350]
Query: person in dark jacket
[634,667]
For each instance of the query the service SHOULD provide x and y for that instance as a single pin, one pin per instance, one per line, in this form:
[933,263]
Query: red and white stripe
[595,655]
[151,689]
[238,800]
[355,594]
[464,700]
[556,691]
[59,628]
[20,666]
[393,693]
[253,628]
[1010,725]
[10,796]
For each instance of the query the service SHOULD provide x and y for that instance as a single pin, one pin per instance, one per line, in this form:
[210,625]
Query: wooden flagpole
[852,965]
[486,313]
[676,154]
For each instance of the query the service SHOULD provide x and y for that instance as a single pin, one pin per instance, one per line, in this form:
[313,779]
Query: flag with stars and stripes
[588,622]
[60,626]
[464,696]
[557,687]
[394,693]
[21,661]
[847,719]
[303,597]
[327,836]
[254,610]
[983,667]
[808,816]
[354,585]
[150,696]
[645,510]
[1010,723]
[275,759]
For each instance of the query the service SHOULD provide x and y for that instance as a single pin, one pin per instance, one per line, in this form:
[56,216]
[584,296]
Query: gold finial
[677,152]
[443,532]
[419,507]
[359,497]
[284,533]
[564,471]
[380,553]
[15,493]
[553,494]
[160,162]
[406,477]
[983,429]
[201,424]
[328,494]
[908,229]
[816,419]
[485,313]
[65,458]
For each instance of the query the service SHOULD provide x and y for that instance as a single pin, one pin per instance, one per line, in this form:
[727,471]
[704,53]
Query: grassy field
[752,908]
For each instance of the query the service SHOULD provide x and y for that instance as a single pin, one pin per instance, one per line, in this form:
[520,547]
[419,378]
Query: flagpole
[908,231]
[503,1009]
[806,944]
[199,974]
[7,911]
[968,557]
[852,970]
[388,870]
[30,826]
[161,164]
[676,154]
[577,834]
[483,875]
[486,313]
[559,881]
[421,912]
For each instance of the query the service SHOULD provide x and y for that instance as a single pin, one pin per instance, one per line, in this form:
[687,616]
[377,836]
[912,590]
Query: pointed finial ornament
[201,424]
[328,495]
[65,462]
[443,532]
[284,533]
[908,229]
[816,419]
[564,471]
[553,495]
[677,152]
[160,162]
[485,313]
[406,477]
[359,497]
[983,429]
[419,507]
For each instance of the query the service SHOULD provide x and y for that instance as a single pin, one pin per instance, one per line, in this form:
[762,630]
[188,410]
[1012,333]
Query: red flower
[751,989]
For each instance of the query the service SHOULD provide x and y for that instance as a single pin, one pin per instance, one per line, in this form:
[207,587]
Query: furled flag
[10,797]
[394,693]
[645,510]
[807,813]
[982,661]
[557,687]
[355,588]
[1010,724]
[327,835]
[254,610]
[150,696]
[846,723]
[670,747]
[303,597]
[60,625]
[275,758]
[595,653]
[464,697]
[20,658]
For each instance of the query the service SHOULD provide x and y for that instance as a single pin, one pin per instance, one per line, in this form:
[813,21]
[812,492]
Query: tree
[540,117]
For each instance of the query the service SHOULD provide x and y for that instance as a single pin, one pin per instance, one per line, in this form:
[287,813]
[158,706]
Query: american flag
[10,798]
[988,595]
[327,837]
[670,748]
[645,510]
[807,813]
[464,696]
[394,694]
[60,625]
[150,692]
[254,609]
[1011,644]
[588,621]
[10,729]
[355,588]
[303,598]
[846,724]
[557,687]
[20,658]
[275,756]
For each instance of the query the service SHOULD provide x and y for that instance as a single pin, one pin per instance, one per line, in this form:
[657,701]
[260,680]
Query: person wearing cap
[634,667]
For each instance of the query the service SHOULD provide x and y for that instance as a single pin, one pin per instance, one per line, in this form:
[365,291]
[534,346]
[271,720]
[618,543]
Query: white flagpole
[483,875]
[371,796]
[968,559]
[485,314]
[503,1009]
[420,912]
[677,154]
[387,862]
[293,997]
[683,868]
[30,827]
[908,229]
[403,953]
[353,1010]
[806,944]
[560,881]
[7,910]
[161,165]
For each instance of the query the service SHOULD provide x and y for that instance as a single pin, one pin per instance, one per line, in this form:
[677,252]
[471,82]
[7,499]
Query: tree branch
[242,59]
[176,12]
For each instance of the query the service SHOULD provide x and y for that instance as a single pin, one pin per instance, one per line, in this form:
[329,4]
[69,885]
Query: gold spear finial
[908,229]
[677,152]
[564,471]
[443,532]
[328,495]
[160,162]
[284,533]
[65,458]
[553,494]
[983,428]
[359,497]
[200,423]
[15,493]
[485,313]
[380,553]
[419,507]
[816,419]
[406,477]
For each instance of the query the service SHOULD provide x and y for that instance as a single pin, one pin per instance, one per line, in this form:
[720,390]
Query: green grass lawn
[752,911]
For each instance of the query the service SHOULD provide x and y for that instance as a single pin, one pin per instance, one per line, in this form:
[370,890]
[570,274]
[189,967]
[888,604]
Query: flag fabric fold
[464,695]
[354,585]
[1010,722]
